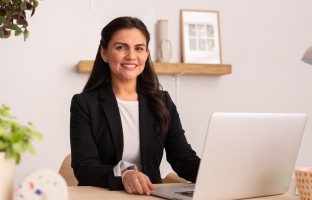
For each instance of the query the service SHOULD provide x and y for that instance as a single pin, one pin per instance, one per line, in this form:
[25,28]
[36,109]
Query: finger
[132,187]
[137,185]
[149,183]
[128,189]
[145,187]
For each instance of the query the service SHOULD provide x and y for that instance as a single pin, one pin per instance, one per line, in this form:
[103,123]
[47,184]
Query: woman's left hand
[136,182]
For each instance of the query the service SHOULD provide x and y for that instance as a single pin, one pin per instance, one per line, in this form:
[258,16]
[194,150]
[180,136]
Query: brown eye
[120,48]
[140,48]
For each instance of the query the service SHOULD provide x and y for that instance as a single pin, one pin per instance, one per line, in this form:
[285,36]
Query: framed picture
[200,31]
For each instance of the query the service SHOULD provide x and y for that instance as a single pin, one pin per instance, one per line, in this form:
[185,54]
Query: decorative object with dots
[304,182]
[42,184]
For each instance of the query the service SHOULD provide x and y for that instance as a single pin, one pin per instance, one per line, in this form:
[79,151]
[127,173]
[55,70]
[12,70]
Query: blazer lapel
[111,110]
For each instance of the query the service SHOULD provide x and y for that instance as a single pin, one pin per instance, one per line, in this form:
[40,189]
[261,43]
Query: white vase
[163,43]
[6,177]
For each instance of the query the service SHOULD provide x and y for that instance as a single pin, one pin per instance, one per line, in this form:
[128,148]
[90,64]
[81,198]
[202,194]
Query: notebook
[245,155]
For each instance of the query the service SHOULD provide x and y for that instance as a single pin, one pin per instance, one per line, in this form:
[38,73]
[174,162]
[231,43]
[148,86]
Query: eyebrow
[125,44]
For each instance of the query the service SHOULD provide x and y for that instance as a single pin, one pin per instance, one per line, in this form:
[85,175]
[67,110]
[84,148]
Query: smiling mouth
[129,66]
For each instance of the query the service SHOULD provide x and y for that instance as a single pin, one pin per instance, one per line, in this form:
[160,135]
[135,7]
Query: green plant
[16,138]
[13,16]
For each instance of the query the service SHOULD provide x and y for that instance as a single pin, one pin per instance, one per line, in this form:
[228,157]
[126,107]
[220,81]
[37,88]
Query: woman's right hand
[136,182]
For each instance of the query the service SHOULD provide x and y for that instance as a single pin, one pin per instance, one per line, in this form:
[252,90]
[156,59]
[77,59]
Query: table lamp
[307,56]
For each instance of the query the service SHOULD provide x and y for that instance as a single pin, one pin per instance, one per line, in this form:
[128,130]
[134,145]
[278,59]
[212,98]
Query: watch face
[42,184]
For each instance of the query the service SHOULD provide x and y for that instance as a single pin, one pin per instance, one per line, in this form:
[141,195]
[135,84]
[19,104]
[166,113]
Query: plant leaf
[1,33]
[7,33]
[3,145]
[26,34]
[18,158]
[13,27]
[36,4]
[1,19]
[30,149]
[16,138]
[14,12]
[3,131]
[4,111]
[21,21]
[19,147]
[18,32]
[23,6]
[38,136]
[33,11]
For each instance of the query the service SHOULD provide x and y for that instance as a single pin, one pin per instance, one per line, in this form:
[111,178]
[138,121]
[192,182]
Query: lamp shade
[307,56]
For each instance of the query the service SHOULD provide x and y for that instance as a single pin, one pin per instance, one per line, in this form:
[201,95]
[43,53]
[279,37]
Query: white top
[129,113]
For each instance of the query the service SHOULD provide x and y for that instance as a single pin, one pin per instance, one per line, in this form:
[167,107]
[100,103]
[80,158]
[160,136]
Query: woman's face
[126,55]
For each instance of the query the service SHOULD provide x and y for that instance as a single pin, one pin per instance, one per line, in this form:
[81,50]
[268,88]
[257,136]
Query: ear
[104,54]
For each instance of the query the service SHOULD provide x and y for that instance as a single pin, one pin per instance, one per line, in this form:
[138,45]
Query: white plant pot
[6,177]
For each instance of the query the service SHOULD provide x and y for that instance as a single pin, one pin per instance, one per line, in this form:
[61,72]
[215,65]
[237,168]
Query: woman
[122,121]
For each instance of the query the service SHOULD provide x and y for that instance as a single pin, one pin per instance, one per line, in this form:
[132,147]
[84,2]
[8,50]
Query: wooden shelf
[85,66]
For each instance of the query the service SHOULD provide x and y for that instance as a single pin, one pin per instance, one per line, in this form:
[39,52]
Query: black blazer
[97,140]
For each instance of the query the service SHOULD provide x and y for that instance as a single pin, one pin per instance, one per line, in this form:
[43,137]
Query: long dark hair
[147,81]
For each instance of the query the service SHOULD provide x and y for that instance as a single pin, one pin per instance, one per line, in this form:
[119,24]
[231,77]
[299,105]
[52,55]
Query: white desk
[94,193]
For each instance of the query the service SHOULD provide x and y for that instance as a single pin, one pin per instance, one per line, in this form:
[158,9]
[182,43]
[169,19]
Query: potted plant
[15,139]
[13,16]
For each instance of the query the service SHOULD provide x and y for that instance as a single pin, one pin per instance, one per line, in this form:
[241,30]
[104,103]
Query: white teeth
[128,66]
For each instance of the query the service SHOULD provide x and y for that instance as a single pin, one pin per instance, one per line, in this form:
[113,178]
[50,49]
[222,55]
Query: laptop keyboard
[186,193]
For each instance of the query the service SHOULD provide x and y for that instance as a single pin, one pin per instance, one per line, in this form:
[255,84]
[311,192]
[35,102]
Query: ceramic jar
[163,43]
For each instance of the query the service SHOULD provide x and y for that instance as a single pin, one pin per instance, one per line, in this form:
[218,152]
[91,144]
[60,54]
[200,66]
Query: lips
[129,66]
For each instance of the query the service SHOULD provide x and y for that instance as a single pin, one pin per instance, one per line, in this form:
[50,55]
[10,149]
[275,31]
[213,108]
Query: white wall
[262,39]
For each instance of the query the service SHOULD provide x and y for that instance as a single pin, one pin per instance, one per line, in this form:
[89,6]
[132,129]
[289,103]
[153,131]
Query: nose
[130,54]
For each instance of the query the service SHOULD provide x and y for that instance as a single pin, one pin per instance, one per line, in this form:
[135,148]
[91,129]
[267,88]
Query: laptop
[245,155]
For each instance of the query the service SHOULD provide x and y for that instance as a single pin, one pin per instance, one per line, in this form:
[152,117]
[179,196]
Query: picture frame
[200,34]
